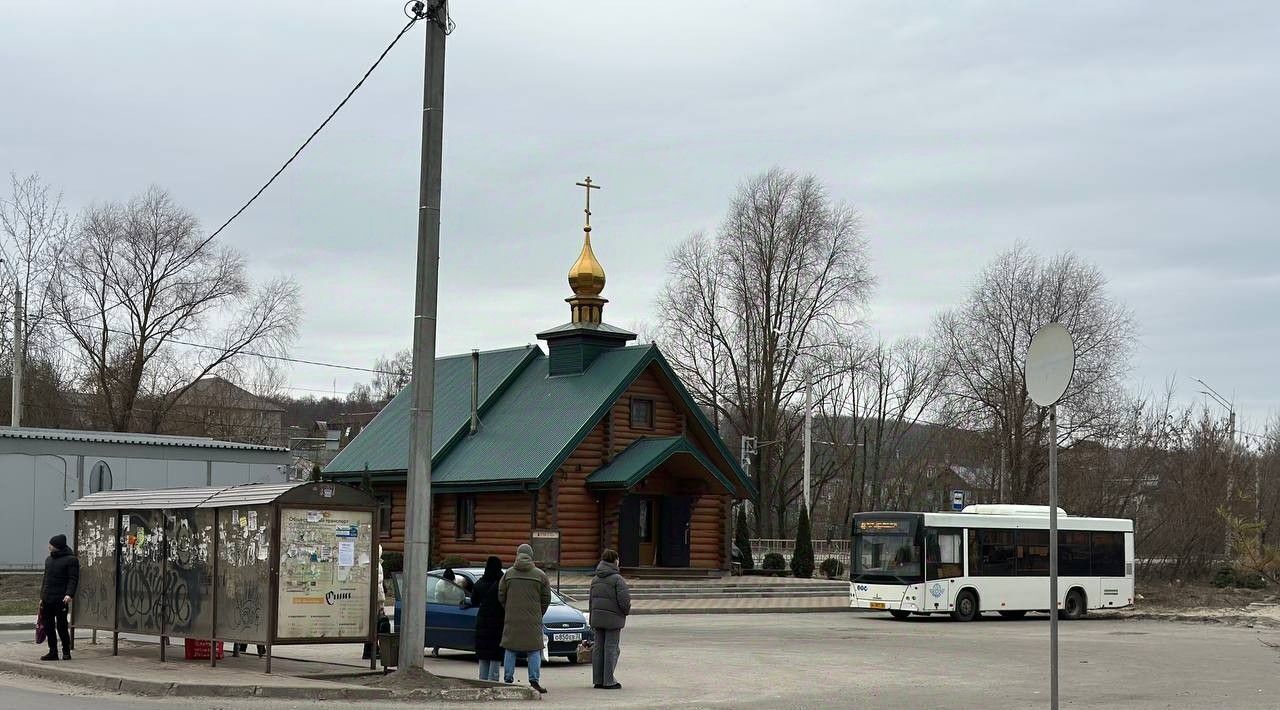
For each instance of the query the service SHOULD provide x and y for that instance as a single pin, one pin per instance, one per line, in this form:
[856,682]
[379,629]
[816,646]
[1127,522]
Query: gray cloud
[1142,136]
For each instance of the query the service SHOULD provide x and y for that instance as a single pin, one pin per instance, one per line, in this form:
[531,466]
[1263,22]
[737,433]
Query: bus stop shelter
[267,564]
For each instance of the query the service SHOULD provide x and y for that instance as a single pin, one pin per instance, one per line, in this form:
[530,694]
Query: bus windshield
[886,550]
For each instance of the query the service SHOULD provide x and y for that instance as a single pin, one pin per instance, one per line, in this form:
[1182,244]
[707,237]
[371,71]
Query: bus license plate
[566,637]
[877,605]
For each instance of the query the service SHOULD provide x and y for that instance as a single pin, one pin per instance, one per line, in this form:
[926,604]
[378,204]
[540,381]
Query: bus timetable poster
[325,568]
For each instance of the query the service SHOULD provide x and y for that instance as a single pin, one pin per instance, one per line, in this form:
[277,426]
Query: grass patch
[19,607]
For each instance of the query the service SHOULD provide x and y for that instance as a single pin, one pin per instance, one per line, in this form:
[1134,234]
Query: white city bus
[988,558]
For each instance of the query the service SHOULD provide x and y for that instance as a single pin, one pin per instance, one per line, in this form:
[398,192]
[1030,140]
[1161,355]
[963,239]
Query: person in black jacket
[61,577]
[489,620]
[609,607]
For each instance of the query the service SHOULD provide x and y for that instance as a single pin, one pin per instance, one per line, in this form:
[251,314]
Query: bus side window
[944,554]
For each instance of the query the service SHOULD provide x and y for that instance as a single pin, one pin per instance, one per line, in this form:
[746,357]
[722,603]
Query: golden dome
[586,276]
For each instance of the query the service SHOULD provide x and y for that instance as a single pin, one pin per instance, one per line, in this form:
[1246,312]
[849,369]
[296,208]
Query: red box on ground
[198,649]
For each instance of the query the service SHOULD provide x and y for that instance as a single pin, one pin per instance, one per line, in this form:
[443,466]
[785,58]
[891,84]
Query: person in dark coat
[489,619]
[610,605]
[525,594]
[57,589]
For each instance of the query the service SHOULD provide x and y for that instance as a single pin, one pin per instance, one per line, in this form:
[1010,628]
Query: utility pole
[417,544]
[1210,392]
[15,412]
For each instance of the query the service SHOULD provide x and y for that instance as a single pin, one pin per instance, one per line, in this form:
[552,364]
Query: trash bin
[389,650]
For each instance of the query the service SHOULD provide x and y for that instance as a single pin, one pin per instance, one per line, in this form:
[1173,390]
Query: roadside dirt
[1200,602]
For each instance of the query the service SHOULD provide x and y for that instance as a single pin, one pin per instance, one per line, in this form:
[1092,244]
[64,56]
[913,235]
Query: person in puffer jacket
[610,605]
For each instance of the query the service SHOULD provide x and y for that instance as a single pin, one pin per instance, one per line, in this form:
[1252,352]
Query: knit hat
[58,541]
[524,549]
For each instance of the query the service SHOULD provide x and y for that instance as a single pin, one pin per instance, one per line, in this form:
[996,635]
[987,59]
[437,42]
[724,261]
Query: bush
[1228,577]
[455,561]
[742,539]
[802,558]
[392,562]
[831,568]
[774,562]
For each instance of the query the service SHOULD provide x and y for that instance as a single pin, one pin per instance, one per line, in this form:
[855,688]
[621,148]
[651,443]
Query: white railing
[822,549]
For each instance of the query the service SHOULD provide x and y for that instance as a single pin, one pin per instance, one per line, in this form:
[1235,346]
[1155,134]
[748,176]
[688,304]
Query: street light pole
[417,543]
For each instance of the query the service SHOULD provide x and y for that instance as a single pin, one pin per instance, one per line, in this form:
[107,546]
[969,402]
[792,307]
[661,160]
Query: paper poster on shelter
[253,520]
[346,554]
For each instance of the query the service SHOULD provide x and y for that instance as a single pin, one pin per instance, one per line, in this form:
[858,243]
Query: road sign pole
[1053,556]
[1050,365]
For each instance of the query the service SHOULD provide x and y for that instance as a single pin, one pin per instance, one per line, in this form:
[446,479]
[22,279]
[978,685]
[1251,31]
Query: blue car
[451,620]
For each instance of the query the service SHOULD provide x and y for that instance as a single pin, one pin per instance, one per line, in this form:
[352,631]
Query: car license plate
[877,605]
[566,637]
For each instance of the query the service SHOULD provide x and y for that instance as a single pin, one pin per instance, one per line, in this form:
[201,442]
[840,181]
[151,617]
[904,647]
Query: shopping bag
[40,630]
[584,651]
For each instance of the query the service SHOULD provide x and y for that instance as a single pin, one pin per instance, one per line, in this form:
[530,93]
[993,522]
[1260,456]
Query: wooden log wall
[395,543]
[502,525]
[667,419]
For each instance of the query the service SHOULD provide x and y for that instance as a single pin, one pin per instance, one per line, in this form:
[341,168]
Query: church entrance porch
[665,506]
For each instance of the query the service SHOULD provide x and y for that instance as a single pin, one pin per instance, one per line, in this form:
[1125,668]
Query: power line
[268,356]
[412,21]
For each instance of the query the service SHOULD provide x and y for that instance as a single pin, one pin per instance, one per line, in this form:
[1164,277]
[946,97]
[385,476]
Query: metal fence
[822,549]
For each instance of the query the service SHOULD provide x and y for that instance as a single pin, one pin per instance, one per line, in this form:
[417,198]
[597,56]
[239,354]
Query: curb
[152,688]
[16,626]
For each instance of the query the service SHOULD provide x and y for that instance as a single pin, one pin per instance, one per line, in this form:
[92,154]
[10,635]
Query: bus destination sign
[884,526]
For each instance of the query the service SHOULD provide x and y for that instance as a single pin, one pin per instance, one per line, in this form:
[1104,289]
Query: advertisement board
[325,567]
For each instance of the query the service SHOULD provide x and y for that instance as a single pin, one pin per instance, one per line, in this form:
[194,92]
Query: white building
[44,470]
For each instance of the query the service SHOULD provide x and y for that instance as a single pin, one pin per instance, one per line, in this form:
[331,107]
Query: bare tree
[141,278]
[34,231]
[877,451]
[984,343]
[394,374]
[786,272]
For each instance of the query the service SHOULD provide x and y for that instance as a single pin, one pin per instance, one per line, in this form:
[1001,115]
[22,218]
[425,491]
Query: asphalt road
[856,660]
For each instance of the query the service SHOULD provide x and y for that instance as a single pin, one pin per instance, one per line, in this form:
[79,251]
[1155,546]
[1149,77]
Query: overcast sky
[1145,136]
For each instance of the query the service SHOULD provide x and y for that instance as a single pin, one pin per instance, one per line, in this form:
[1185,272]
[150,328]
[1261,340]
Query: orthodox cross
[589,187]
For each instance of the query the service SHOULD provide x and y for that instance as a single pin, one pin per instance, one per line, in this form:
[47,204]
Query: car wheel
[1013,614]
[573,660]
[966,606]
[1074,607]
[899,614]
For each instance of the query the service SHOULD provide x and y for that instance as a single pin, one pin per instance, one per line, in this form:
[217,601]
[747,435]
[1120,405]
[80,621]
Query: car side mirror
[466,602]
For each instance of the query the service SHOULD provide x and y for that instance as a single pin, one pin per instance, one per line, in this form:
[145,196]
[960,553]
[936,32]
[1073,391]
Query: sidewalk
[138,671]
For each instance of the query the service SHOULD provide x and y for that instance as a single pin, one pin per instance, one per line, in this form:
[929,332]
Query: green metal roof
[539,421]
[643,456]
[530,422]
[383,445]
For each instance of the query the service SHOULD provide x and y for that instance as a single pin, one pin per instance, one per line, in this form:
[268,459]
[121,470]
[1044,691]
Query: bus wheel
[899,614]
[966,607]
[1013,614]
[1074,607]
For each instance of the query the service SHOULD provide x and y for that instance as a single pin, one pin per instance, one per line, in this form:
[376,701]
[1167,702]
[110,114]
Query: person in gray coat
[525,594]
[610,605]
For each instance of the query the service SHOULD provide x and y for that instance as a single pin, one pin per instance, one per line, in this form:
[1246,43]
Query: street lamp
[1211,393]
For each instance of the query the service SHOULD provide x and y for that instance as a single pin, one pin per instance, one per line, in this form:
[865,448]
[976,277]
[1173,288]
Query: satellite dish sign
[1051,361]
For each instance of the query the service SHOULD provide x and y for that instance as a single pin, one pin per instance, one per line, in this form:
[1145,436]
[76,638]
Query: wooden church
[594,438]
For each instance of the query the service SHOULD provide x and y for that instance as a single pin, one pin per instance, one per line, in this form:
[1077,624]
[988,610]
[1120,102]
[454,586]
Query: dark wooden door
[629,531]
[675,530]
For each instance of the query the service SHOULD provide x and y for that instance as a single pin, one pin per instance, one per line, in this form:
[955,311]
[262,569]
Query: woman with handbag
[489,620]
